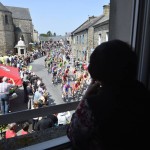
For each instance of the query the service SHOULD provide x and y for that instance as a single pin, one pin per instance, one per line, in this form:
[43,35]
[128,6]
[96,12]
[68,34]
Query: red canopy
[11,72]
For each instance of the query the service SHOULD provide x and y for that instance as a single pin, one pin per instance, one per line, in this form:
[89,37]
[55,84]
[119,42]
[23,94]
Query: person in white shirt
[4,94]
[63,118]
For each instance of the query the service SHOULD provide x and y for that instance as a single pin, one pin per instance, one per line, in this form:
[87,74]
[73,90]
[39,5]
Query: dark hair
[113,61]
[25,126]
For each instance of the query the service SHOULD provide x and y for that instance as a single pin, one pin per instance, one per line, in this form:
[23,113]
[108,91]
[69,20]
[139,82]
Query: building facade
[35,36]
[91,33]
[15,22]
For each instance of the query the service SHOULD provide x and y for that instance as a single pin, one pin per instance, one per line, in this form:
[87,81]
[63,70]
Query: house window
[22,51]
[77,39]
[6,19]
[80,39]
[99,39]
[107,36]
[83,39]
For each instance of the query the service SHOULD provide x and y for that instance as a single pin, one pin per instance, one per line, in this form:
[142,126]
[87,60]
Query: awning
[11,72]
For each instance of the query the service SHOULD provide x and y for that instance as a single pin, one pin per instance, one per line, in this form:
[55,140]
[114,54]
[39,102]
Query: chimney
[91,17]
[106,10]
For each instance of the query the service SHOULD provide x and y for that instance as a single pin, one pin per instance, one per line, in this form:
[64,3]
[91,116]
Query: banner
[10,72]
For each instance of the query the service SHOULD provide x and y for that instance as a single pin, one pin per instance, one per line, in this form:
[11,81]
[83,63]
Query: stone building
[15,22]
[35,36]
[90,34]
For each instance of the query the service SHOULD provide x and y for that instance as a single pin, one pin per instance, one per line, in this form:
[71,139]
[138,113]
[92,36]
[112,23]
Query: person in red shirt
[11,132]
[74,73]
[85,76]
[75,87]
[67,71]
[64,79]
[25,128]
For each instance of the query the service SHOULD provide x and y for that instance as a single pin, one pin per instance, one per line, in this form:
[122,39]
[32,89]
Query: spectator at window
[111,113]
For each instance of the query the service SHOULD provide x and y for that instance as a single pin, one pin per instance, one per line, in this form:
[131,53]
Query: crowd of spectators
[35,96]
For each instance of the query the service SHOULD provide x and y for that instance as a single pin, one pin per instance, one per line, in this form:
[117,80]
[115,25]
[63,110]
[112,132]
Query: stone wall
[27,38]
[9,40]
[6,32]
[103,30]
[90,41]
[35,36]
[1,21]
[25,27]
[79,47]
[2,42]
[91,37]
[33,138]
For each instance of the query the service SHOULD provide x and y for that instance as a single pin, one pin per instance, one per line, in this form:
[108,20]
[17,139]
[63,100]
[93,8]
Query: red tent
[11,72]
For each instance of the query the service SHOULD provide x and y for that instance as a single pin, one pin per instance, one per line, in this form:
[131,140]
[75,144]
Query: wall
[6,33]
[35,36]
[90,41]
[80,46]
[103,29]
[26,29]
[33,138]
[121,20]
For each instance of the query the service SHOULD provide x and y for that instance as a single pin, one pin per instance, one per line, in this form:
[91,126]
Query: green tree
[44,35]
[54,34]
[49,33]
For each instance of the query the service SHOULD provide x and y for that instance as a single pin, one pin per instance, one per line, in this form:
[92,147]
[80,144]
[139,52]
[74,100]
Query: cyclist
[64,79]
[66,89]
[75,88]
[54,72]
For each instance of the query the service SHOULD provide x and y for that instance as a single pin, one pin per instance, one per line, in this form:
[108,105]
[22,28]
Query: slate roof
[88,23]
[19,13]
[3,8]
[42,38]
[103,19]
[56,38]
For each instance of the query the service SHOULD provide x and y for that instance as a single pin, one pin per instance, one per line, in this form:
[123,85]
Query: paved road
[54,90]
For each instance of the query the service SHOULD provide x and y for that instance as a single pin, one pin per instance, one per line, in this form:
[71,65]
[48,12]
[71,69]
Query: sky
[59,16]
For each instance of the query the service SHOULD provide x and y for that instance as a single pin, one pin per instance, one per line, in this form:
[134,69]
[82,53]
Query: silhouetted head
[113,62]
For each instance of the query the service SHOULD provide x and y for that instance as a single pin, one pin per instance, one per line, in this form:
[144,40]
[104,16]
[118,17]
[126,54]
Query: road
[54,90]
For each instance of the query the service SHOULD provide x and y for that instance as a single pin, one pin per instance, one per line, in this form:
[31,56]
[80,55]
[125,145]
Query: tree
[49,33]
[44,35]
[54,34]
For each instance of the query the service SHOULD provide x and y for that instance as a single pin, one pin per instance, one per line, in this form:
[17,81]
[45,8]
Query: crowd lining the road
[72,77]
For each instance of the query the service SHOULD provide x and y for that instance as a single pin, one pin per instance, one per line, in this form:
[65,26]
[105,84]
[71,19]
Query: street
[54,90]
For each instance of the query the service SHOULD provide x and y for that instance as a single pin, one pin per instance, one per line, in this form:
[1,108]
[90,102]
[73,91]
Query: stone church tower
[15,22]
[6,30]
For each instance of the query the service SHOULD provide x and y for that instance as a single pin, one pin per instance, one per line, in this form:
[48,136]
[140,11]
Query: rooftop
[88,23]
[19,13]
[3,8]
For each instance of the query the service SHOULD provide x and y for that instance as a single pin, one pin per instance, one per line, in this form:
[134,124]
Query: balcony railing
[21,141]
